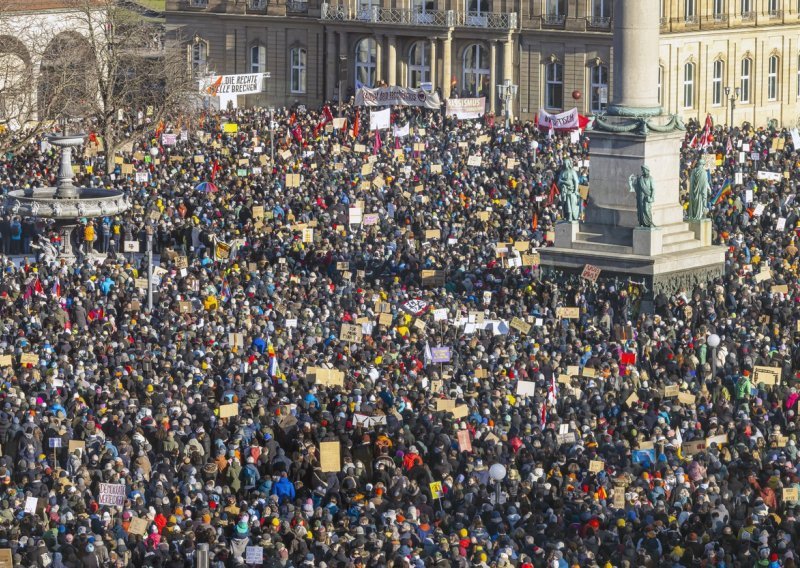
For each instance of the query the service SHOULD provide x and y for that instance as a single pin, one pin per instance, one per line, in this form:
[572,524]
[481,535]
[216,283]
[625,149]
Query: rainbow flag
[723,192]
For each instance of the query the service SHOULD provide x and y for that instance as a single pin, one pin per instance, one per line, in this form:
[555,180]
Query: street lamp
[506,92]
[149,232]
[713,342]
[498,473]
[271,137]
[733,95]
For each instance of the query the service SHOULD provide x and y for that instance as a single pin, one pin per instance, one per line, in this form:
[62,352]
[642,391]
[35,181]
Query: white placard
[131,246]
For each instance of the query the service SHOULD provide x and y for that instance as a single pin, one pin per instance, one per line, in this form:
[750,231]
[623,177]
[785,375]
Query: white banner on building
[563,121]
[379,119]
[397,96]
[466,108]
[218,85]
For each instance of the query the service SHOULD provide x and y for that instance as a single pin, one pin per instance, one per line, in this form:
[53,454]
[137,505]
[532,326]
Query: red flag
[356,125]
[543,417]
[327,114]
[377,147]
[214,169]
[159,128]
[535,222]
[292,119]
[298,134]
[93,137]
[553,193]
[728,146]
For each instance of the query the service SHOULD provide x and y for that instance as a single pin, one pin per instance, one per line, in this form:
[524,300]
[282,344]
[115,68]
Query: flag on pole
[377,147]
[55,289]
[553,193]
[356,124]
[427,356]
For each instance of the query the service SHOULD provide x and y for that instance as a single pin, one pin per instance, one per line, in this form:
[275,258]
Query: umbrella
[206,186]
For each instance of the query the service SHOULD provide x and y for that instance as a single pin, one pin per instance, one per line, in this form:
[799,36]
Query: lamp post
[733,95]
[507,91]
[497,472]
[149,232]
[271,136]
[713,342]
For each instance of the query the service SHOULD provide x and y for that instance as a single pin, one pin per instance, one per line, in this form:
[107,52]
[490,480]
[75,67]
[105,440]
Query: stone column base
[648,241]
[566,231]
[702,231]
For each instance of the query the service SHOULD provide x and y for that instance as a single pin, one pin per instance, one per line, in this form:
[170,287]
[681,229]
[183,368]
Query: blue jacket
[283,489]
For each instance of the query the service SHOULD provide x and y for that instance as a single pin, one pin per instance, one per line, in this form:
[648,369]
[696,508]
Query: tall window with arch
[554,85]
[688,85]
[599,88]
[689,10]
[258,58]
[745,7]
[744,80]
[773,67]
[199,57]
[366,63]
[719,9]
[717,77]
[297,76]
[419,64]
[476,70]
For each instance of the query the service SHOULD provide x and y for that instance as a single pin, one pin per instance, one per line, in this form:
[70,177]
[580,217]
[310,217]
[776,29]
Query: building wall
[519,38]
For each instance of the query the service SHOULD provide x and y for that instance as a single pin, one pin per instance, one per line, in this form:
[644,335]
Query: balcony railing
[775,14]
[599,22]
[691,20]
[257,4]
[427,18]
[553,19]
[748,16]
[198,3]
[297,6]
[719,18]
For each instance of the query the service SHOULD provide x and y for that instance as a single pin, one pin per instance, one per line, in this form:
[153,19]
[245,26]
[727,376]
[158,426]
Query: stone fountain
[66,203]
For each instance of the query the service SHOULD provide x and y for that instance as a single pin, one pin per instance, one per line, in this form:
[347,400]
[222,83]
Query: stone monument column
[636,33]
[634,131]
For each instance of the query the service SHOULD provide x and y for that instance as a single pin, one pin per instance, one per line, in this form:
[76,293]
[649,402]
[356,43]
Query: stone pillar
[349,80]
[492,75]
[508,60]
[636,47]
[378,60]
[391,45]
[331,64]
[447,49]
[433,63]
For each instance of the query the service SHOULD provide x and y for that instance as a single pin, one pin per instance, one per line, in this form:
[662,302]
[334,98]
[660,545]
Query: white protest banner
[440,314]
[465,109]
[379,119]
[567,120]
[355,214]
[401,131]
[397,96]
[795,139]
[112,494]
[131,246]
[369,219]
[142,177]
[169,139]
[254,555]
[217,85]
[30,505]
[526,388]
[771,176]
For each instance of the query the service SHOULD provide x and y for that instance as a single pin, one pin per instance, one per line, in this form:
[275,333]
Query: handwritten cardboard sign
[330,456]
[590,273]
[568,313]
[766,375]
[228,410]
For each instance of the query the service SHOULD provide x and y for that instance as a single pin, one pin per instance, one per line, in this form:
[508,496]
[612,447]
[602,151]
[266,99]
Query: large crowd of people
[350,334]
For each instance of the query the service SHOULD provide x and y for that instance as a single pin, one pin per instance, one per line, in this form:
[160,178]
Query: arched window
[772,78]
[199,57]
[688,85]
[716,82]
[744,79]
[599,88]
[419,63]
[554,85]
[476,70]
[366,63]
[297,58]
[258,58]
